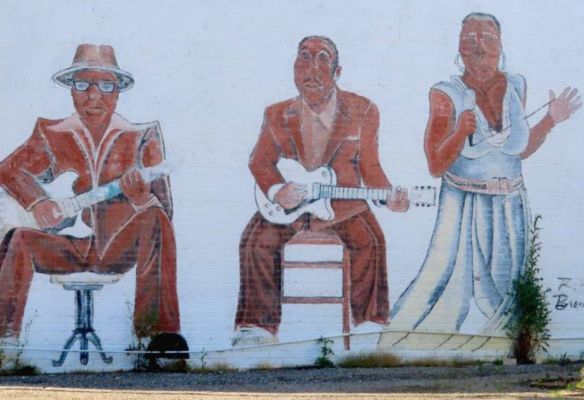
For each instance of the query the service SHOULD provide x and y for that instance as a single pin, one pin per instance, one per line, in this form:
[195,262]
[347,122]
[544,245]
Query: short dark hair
[483,17]
[329,42]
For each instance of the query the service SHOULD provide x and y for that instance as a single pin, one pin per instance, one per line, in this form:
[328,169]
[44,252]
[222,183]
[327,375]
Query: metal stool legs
[83,331]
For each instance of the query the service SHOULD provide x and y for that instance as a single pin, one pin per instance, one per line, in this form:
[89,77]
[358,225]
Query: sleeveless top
[488,154]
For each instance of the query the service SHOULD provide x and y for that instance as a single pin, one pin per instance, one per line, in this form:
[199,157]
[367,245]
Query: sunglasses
[103,86]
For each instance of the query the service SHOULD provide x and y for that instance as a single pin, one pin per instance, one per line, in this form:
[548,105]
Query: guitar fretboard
[352,193]
[420,196]
[98,195]
[73,205]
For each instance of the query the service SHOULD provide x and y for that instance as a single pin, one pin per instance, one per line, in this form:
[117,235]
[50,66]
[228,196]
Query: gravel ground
[484,382]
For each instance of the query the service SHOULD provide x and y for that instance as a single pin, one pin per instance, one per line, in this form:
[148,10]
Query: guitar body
[60,190]
[293,171]
[12,214]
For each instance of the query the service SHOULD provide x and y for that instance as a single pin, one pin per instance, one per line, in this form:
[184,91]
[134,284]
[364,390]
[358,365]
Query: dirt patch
[476,382]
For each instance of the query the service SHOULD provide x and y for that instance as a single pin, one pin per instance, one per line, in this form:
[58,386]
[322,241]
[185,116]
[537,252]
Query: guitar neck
[97,195]
[351,193]
[110,190]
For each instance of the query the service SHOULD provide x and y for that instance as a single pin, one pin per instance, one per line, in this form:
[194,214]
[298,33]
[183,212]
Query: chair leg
[93,338]
[84,346]
[346,299]
[66,348]
[83,331]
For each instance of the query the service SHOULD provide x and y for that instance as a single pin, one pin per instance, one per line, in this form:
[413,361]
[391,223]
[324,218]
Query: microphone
[469,103]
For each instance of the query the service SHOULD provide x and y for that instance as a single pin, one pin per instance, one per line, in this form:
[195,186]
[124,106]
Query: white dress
[480,240]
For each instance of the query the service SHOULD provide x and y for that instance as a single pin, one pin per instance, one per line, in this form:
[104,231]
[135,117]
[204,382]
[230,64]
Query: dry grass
[388,360]
[220,368]
[264,366]
[370,360]
[434,362]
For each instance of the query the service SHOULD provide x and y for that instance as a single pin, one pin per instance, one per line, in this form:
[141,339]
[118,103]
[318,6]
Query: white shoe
[253,336]
[369,327]
[9,347]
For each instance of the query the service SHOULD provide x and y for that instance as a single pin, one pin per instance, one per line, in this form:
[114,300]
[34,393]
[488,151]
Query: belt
[495,186]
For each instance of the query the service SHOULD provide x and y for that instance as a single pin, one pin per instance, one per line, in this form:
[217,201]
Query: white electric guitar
[322,188]
[60,190]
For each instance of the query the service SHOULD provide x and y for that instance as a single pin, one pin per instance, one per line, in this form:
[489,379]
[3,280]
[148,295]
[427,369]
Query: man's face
[313,71]
[480,48]
[94,105]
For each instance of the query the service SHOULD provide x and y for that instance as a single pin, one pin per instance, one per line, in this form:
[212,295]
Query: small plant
[204,355]
[564,359]
[323,361]
[216,368]
[219,367]
[530,318]
[141,362]
[17,367]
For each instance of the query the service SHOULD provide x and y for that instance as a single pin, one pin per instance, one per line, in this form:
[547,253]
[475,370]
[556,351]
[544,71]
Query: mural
[323,127]
[86,203]
[119,216]
[476,138]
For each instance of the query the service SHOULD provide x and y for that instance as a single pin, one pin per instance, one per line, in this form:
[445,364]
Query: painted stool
[83,283]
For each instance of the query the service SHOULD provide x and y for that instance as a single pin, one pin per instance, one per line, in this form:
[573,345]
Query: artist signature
[569,294]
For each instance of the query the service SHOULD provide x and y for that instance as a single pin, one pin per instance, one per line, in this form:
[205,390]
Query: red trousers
[260,255]
[145,240]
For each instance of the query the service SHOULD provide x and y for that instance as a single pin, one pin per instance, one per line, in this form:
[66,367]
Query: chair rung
[312,300]
[308,264]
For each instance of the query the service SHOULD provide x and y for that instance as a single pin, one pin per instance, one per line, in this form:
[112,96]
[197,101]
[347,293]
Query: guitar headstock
[423,196]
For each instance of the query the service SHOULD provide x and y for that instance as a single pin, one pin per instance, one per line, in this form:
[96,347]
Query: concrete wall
[206,70]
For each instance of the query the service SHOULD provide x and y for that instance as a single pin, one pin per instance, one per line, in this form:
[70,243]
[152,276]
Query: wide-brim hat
[90,57]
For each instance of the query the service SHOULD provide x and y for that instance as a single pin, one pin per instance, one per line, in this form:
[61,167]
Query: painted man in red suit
[324,126]
[131,229]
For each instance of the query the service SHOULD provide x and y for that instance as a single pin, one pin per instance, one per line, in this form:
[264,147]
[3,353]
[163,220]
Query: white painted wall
[207,69]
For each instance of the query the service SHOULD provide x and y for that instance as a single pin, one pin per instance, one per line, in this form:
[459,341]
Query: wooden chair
[321,238]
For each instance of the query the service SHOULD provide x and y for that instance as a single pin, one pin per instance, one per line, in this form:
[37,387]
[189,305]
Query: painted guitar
[61,191]
[322,188]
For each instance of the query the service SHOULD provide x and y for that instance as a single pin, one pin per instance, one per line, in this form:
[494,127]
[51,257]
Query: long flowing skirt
[477,249]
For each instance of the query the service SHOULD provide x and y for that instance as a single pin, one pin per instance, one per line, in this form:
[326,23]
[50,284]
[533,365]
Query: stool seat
[84,279]
[83,283]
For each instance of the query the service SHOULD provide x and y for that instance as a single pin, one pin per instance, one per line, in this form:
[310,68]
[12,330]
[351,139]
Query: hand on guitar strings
[135,188]
[47,214]
[291,195]
[398,200]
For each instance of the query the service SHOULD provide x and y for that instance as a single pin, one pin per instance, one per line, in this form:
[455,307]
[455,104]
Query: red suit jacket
[56,146]
[352,149]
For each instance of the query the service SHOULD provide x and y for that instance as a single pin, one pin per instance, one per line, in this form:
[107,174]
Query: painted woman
[476,138]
